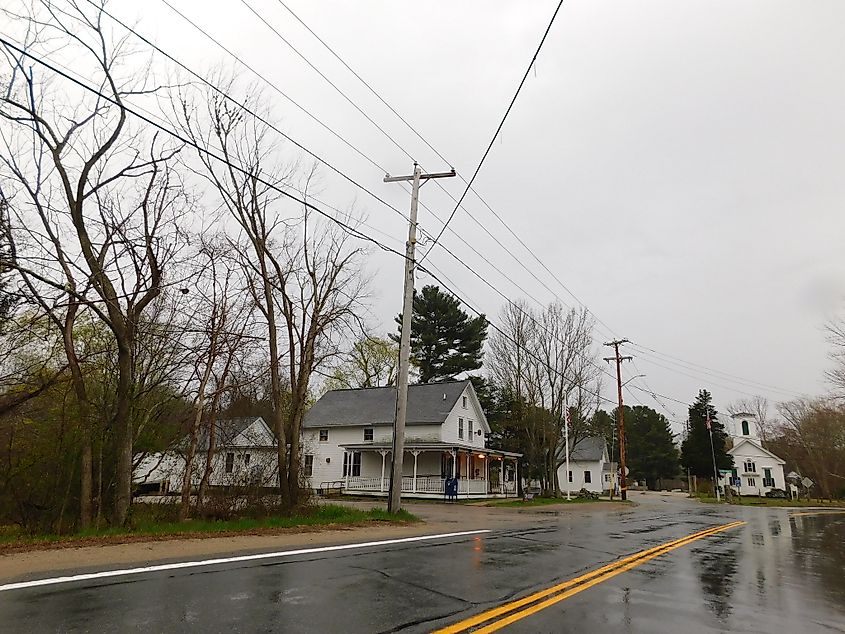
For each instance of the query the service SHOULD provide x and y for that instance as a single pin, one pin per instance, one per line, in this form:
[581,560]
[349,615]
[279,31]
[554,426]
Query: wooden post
[416,453]
[383,453]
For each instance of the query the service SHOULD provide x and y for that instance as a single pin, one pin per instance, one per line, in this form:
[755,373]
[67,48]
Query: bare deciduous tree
[109,192]
[546,362]
[303,274]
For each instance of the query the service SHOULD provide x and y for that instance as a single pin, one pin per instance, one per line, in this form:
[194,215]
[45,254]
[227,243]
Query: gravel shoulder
[436,518]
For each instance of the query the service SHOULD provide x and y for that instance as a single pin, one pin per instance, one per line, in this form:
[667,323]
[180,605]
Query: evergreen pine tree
[445,341]
[696,454]
[650,448]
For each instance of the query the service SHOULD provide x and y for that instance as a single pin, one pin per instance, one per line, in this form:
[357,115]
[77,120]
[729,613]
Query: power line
[369,159]
[331,83]
[149,121]
[350,230]
[713,372]
[498,130]
[267,81]
[484,202]
[710,381]
[444,159]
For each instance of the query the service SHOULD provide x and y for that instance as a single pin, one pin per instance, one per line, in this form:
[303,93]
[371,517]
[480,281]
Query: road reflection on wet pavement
[782,571]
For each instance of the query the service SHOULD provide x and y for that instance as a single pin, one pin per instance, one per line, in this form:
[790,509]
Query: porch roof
[431,446]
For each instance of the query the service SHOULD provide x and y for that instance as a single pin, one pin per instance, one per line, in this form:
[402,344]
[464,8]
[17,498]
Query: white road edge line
[229,560]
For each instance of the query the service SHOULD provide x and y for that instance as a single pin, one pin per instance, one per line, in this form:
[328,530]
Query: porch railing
[427,484]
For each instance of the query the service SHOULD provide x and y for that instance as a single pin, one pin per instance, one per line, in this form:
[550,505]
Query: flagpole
[566,436]
[713,453]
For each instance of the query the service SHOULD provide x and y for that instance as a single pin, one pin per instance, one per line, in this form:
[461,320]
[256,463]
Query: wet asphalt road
[784,571]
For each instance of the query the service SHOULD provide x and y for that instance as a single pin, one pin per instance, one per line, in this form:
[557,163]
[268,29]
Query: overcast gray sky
[678,165]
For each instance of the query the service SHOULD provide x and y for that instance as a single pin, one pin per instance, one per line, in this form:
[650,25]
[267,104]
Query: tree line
[147,287]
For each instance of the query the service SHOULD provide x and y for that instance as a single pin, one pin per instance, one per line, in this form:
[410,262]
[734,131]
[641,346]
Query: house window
[352,463]
[465,402]
[745,428]
[607,477]
[461,428]
[309,465]
[588,477]
[750,467]
[570,476]
[469,423]
[768,480]
[246,459]
[324,435]
[230,462]
[752,482]
[368,433]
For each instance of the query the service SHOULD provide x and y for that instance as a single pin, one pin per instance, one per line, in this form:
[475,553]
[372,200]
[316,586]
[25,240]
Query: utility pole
[395,499]
[620,414]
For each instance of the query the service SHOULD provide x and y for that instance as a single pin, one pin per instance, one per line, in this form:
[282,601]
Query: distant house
[244,455]
[348,437]
[589,467]
[756,470]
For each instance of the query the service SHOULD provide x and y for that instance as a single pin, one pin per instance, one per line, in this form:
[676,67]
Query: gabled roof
[589,449]
[427,403]
[227,431]
[757,446]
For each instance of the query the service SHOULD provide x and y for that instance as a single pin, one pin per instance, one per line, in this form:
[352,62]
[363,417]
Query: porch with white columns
[425,475]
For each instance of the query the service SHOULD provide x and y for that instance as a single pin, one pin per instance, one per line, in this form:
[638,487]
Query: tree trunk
[123,435]
[86,481]
[185,502]
[209,458]
[86,466]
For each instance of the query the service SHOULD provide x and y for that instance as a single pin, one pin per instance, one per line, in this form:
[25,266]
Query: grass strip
[323,516]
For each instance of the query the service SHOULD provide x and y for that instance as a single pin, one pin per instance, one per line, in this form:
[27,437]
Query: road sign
[806,482]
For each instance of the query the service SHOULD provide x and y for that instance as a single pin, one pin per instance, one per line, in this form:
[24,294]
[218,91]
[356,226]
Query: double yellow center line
[508,613]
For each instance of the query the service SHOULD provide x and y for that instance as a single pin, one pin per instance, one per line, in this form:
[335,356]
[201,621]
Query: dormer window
[464,402]
[745,431]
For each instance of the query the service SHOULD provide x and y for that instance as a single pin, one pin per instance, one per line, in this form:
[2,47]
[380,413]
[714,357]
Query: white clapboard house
[756,469]
[348,435]
[244,455]
[589,467]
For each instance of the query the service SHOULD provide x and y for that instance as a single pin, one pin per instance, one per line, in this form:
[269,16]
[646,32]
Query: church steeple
[744,426]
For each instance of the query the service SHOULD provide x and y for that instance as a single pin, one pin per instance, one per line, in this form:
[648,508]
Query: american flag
[707,421]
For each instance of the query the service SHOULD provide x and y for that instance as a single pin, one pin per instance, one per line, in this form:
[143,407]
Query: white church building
[756,470]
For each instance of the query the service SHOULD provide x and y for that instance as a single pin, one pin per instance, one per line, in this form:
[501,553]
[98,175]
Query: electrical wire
[258,178]
[533,254]
[498,130]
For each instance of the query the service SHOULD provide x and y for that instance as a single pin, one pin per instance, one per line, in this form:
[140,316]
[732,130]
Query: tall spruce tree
[445,341]
[696,453]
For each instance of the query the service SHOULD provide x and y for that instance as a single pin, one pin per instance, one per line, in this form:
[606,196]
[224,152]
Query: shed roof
[427,403]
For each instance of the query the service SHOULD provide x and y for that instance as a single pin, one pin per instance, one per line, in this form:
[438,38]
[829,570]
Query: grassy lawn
[756,501]
[329,515]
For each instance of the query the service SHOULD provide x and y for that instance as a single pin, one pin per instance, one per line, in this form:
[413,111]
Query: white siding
[170,467]
[578,477]
[333,469]
[470,413]
[747,451]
